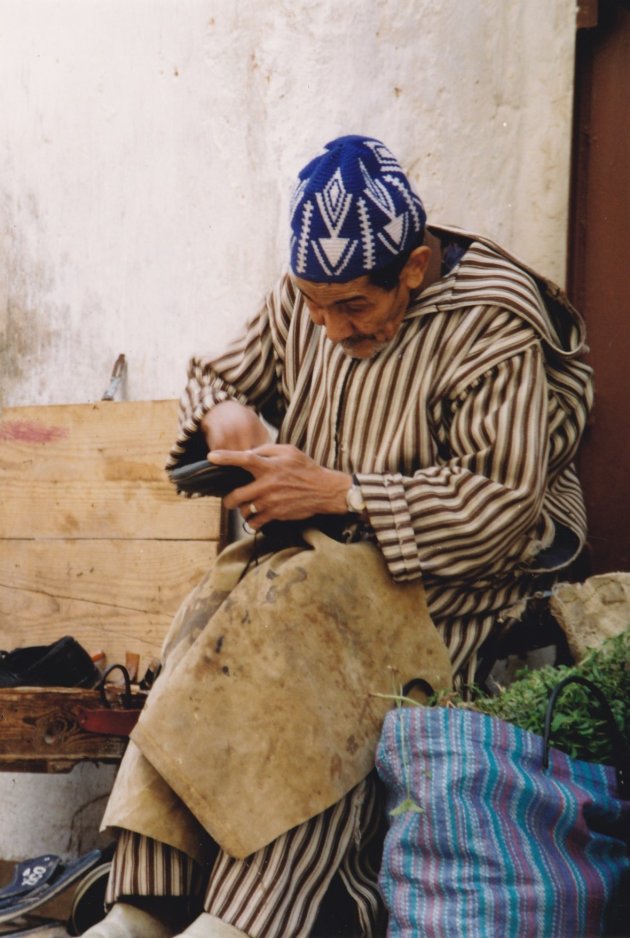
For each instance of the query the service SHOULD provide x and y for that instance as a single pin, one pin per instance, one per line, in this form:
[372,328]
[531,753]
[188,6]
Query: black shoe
[205,478]
[65,663]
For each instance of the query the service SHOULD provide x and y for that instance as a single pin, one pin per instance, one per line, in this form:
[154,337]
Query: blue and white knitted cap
[353,211]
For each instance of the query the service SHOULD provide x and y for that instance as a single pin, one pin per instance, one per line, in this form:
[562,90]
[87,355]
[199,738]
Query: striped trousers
[277,892]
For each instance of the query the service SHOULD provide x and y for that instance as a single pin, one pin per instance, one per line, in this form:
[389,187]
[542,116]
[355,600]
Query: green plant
[578,727]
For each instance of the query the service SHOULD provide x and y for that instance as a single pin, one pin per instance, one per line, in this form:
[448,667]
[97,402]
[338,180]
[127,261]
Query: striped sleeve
[478,507]
[246,372]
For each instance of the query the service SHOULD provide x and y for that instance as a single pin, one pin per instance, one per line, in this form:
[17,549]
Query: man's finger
[231,457]
[268,450]
[253,459]
[240,497]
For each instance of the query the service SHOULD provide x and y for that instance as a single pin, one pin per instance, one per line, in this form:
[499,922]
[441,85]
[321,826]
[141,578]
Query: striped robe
[462,432]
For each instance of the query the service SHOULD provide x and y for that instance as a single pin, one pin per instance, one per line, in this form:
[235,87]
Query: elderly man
[429,396]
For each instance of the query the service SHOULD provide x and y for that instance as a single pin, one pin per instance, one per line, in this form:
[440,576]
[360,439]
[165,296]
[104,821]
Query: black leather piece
[65,663]
[204,478]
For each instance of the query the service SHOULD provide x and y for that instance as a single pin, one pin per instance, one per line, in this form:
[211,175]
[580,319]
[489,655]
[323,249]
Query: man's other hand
[233,426]
[287,486]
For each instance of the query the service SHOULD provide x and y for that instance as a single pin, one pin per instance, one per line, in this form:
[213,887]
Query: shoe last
[126,921]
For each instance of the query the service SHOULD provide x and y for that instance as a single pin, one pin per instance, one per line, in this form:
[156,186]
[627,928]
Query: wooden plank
[41,730]
[102,441]
[104,509]
[146,576]
[113,595]
[96,470]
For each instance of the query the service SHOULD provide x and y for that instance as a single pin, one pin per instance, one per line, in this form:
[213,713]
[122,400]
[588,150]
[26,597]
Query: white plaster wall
[147,150]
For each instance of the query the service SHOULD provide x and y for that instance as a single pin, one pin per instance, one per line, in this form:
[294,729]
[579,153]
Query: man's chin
[366,349]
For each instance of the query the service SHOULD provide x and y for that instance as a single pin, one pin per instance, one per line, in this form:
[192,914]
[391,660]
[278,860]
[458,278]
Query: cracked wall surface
[147,151]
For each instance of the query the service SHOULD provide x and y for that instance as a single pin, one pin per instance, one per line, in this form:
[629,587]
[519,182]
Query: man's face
[357,315]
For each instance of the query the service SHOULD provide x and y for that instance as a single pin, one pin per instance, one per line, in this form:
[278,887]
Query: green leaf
[405,806]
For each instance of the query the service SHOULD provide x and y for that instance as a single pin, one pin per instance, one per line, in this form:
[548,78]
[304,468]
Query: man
[429,397]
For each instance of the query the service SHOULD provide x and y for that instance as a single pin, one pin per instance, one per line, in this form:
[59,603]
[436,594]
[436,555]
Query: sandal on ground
[50,880]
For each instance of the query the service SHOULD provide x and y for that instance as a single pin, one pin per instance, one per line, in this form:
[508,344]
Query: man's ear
[414,271]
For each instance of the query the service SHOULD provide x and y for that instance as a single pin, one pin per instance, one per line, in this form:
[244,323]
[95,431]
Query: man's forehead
[360,288]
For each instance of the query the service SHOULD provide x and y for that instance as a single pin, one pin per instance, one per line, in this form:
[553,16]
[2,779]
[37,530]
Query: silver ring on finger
[252,509]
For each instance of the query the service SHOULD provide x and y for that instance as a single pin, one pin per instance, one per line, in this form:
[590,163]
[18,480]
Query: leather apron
[267,708]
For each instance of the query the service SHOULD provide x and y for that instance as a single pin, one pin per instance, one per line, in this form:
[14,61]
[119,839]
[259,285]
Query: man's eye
[355,309]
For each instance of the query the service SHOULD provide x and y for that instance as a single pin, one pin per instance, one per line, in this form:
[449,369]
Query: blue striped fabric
[484,843]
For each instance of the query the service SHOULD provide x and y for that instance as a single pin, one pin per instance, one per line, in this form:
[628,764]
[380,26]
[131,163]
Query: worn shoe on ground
[126,921]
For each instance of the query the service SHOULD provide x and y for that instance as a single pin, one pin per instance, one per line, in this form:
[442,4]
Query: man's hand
[232,426]
[287,486]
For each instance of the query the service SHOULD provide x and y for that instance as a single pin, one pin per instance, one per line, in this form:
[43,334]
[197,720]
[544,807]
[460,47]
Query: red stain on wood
[28,431]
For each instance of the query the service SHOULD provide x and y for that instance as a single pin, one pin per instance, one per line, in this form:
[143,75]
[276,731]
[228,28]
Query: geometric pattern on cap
[352,211]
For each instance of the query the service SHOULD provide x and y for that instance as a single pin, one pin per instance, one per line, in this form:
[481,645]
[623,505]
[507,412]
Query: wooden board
[95,471]
[94,541]
[134,576]
[114,596]
[41,730]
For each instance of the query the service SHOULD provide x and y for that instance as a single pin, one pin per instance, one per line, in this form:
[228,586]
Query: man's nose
[337,326]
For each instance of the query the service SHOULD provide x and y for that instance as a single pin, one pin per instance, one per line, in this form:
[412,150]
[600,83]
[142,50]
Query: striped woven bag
[485,842]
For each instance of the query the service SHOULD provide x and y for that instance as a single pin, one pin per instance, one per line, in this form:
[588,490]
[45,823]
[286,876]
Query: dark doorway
[599,268]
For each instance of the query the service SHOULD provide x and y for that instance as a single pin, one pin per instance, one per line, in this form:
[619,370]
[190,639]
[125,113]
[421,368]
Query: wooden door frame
[599,268]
